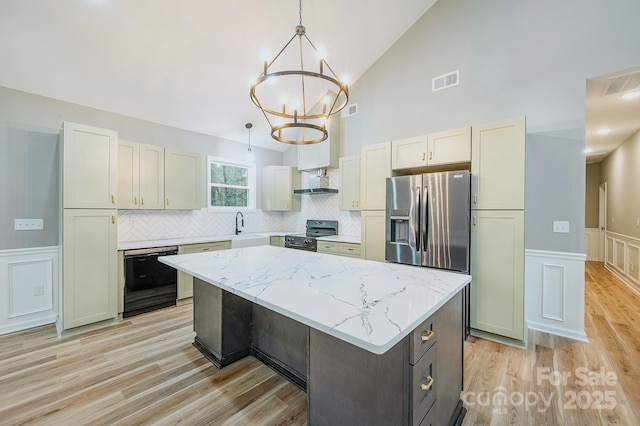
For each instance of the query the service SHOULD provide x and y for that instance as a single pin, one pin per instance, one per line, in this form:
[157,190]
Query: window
[232,184]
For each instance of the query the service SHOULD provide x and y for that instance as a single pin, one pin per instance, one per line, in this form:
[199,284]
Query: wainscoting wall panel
[623,258]
[591,245]
[554,293]
[29,288]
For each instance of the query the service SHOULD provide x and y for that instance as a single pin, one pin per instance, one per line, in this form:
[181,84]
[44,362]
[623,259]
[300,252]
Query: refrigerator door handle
[425,221]
[417,221]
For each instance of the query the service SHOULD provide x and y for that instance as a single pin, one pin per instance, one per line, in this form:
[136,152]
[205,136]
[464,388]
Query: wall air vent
[350,110]
[445,81]
[621,83]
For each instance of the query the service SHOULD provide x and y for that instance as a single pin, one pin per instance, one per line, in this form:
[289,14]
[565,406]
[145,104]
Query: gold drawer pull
[113,218]
[423,154]
[430,155]
[135,200]
[142,200]
[425,337]
[475,198]
[350,249]
[428,385]
[167,201]
[113,199]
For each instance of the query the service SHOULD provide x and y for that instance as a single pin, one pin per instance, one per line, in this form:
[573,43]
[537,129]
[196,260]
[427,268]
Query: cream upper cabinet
[152,179]
[497,165]
[372,234]
[409,153]
[182,180]
[350,183]
[375,168]
[322,154]
[128,175]
[497,267]
[89,167]
[449,147]
[89,252]
[278,183]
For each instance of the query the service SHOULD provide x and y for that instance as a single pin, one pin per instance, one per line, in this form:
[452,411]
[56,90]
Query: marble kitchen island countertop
[372,305]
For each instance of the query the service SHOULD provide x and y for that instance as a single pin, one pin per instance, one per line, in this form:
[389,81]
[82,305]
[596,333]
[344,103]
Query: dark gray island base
[416,382]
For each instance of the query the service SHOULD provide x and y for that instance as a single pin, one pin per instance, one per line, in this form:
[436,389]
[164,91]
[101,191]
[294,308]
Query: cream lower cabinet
[340,249]
[497,267]
[278,183]
[89,278]
[276,241]
[372,234]
[185,281]
[350,183]
[183,180]
[375,168]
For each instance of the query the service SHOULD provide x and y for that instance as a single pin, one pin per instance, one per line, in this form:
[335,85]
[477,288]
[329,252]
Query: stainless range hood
[318,185]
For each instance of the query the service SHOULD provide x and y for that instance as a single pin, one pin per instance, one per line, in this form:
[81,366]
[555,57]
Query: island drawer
[423,338]
[423,385]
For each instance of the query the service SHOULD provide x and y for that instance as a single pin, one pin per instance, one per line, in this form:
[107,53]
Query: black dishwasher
[148,284]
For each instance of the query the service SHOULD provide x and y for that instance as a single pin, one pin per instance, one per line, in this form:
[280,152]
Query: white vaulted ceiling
[183,63]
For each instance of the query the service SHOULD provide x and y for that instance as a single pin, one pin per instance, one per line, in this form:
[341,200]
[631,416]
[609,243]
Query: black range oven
[315,229]
[148,284]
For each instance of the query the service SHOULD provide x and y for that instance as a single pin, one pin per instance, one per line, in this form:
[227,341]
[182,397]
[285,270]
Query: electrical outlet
[38,290]
[28,224]
[561,226]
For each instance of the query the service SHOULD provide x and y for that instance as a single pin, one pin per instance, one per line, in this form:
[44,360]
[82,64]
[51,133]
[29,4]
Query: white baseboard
[554,293]
[633,286]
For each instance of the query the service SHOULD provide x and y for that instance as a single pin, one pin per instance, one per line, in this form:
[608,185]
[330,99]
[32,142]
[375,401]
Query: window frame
[251,184]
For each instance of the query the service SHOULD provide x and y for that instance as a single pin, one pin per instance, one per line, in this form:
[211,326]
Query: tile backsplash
[141,225]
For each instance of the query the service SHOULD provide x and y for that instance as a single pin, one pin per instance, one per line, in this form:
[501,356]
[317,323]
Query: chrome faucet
[241,223]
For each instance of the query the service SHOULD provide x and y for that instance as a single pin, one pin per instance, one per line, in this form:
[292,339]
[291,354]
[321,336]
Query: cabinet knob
[423,155]
[428,385]
[427,336]
[113,218]
[430,155]
[475,198]
[167,201]
[475,220]
[135,201]
[113,199]
[142,200]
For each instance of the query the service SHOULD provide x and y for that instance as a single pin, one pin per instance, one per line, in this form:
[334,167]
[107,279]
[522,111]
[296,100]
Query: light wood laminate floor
[144,370]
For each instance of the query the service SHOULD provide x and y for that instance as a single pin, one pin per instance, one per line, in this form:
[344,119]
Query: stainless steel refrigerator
[428,220]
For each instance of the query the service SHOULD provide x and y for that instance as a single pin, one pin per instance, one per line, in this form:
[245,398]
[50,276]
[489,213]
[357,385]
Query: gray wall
[515,58]
[29,126]
[621,172]
[592,194]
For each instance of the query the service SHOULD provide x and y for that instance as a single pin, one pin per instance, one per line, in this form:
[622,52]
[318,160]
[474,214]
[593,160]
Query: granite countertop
[372,305]
[341,239]
[131,245]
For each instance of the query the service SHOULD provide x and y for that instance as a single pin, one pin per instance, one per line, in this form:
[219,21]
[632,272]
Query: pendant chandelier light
[249,155]
[297,101]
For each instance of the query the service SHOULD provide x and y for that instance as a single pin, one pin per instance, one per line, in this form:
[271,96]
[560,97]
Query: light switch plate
[28,224]
[561,226]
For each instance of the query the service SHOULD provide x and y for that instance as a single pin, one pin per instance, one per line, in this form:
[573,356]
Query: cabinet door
[89,167]
[278,183]
[276,241]
[497,268]
[151,177]
[182,180]
[449,147]
[350,183]
[409,153]
[89,251]
[128,174]
[497,165]
[375,168]
[185,281]
[373,226]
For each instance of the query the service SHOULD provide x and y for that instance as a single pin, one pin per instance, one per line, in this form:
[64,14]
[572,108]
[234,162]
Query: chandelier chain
[300,11]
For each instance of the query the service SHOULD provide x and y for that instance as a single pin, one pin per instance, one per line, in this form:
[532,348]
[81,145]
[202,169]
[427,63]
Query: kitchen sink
[249,240]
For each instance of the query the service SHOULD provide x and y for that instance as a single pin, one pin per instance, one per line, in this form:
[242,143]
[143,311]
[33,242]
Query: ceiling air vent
[350,110]
[445,81]
[621,83]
